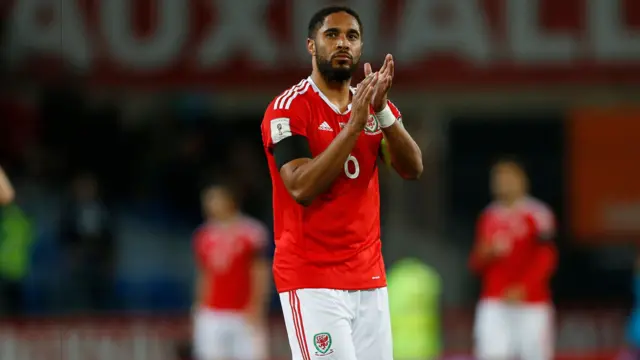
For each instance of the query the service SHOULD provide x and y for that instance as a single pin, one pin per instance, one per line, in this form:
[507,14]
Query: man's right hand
[362,100]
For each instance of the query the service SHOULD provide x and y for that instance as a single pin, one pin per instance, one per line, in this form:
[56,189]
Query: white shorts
[221,335]
[504,331]
[338,324]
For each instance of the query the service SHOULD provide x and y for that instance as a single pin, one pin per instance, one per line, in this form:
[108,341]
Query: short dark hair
[320,16]
[227,186]
[510,159]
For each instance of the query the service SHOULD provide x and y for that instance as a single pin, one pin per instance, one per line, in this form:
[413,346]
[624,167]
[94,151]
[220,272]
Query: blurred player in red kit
[322,140]
[515,256]
[233,279]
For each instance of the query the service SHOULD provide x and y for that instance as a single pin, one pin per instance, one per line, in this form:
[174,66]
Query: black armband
[291,148]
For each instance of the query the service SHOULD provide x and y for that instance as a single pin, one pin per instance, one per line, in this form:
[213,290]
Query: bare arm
[7,193]
[199,289]
[483,253]
[259,288]
[406,157]
[307,178]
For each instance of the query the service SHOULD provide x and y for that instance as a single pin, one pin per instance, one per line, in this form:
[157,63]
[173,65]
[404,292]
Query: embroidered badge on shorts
[322,342]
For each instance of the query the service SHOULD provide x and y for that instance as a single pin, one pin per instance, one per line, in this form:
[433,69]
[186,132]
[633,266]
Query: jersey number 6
[356,167]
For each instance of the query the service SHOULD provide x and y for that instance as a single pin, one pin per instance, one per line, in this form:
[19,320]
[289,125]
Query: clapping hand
[385,80]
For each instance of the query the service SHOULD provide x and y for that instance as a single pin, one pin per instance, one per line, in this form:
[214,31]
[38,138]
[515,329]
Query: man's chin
[343,74]
[342,67]
[337,72]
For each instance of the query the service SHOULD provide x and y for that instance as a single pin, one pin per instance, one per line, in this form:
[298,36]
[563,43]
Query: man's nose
[342,42]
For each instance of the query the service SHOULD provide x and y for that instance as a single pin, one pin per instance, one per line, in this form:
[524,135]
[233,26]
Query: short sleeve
[395,110]
[259,236]
[544,223]
[281,121]
[201,247]
[482,227]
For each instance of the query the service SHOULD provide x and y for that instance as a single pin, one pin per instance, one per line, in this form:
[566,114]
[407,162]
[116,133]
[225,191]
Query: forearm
[199,291]
[313,177]
[260,287]
[406,157]
[7,192]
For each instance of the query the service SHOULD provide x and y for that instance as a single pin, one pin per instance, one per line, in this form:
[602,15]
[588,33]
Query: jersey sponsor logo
[280,129]
[325,127]
[322,342]
[372,127]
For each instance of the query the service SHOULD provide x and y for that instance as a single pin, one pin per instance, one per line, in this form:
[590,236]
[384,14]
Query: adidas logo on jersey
[325,127]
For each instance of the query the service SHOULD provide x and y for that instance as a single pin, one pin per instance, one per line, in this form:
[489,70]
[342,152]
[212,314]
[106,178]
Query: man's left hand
[385,79]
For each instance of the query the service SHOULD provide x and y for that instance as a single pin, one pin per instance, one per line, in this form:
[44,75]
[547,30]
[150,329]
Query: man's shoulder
[201,238]
[490,209]
[527,206]
[536,206]
[252,225]
[492,212]
[541,215]
[287,114]
[202,230]
[254,230]
[292,99]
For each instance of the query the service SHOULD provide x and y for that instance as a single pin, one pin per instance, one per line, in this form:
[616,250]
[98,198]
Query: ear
[311,47]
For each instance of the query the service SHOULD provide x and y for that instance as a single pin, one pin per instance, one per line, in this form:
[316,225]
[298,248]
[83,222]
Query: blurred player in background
[515,256]
[322,140]
[11,294]
[6,189]
[633,327]
[231,300]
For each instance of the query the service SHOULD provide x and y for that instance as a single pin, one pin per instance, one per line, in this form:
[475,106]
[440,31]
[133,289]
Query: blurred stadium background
[146,100]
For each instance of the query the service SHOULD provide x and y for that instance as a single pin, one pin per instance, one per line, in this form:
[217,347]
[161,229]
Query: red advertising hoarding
[261,43]
[604,163]
[580,335]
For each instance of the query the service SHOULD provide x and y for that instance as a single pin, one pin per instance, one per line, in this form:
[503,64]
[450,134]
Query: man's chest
[325,125]
[223,250]
[511,228]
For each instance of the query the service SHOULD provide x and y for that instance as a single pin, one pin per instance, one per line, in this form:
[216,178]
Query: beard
[335,74]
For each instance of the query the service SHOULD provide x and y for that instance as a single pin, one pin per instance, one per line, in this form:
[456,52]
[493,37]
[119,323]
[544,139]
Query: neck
[226,219]
[337,92]
[510,201]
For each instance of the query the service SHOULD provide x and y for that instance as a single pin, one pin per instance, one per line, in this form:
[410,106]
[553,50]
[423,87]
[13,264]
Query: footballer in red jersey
[231,290]
[515,257]
[322,139]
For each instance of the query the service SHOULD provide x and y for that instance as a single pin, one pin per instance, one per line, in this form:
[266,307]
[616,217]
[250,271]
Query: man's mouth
[342,57]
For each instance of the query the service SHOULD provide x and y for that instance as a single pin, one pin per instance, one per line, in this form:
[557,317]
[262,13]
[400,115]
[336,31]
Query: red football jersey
[225,254]
[335,241]
[525,234]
